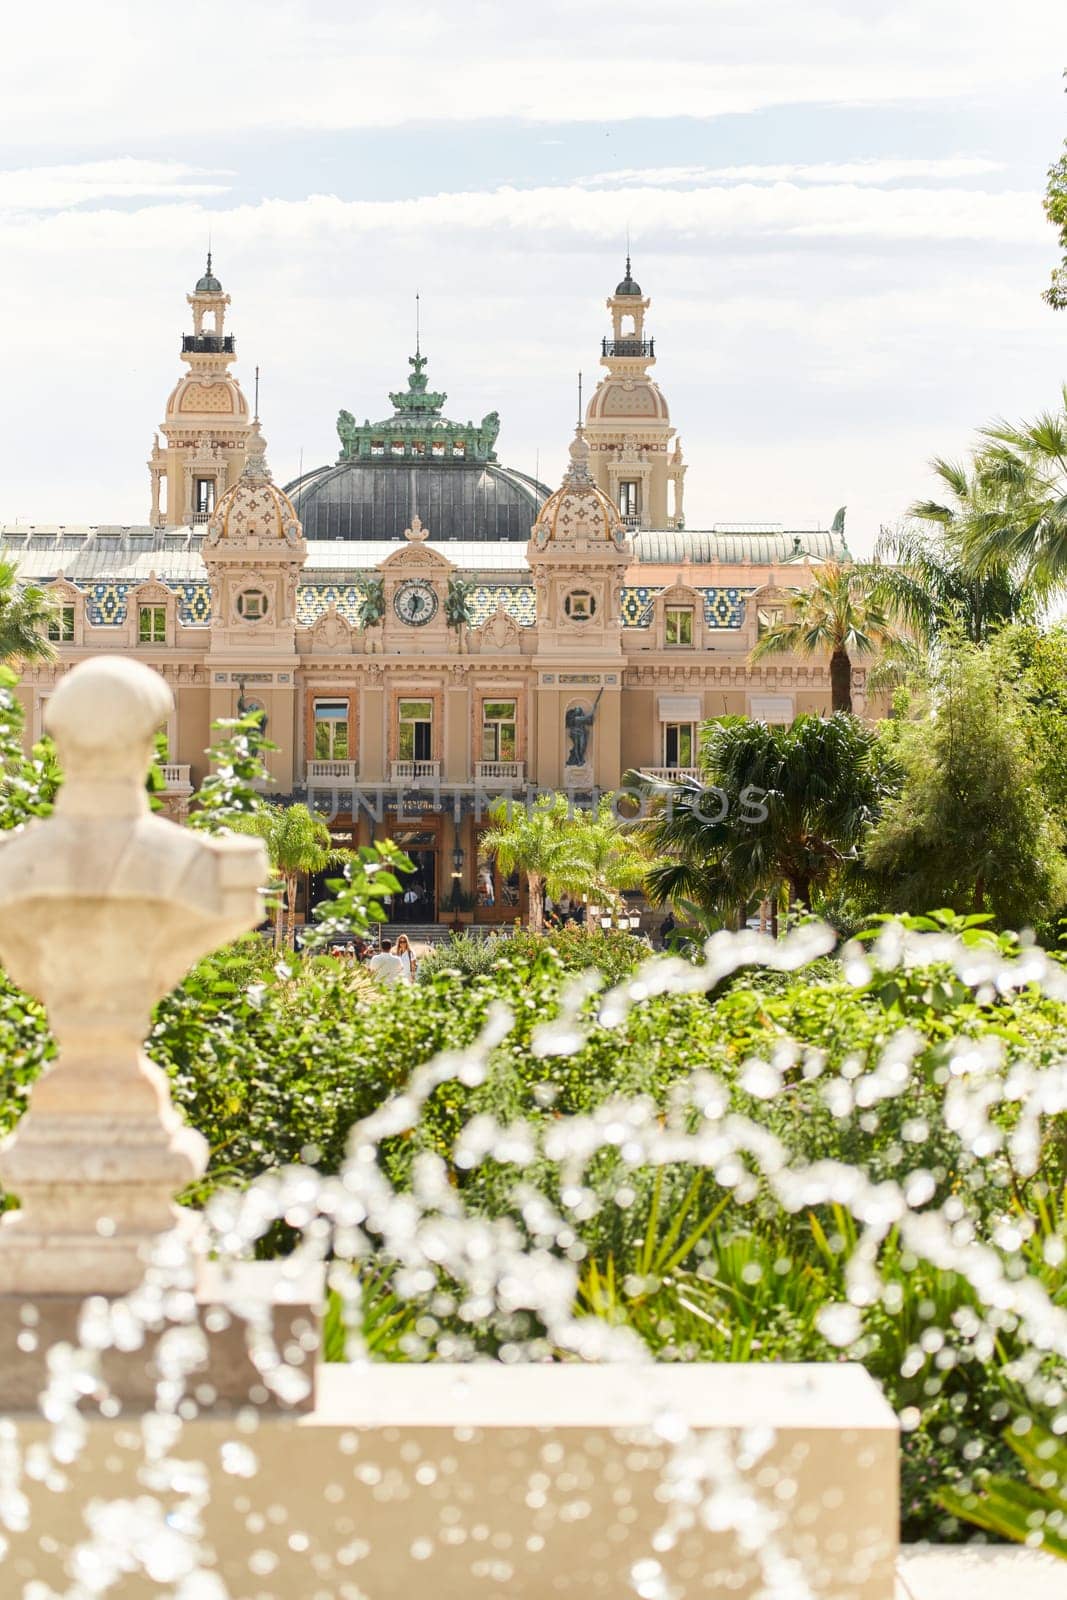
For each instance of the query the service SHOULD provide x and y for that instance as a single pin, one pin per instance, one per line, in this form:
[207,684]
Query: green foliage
[1033,1512]
[27,787]
[842,614]
[1021,524]
[1056,211]
[232,790]
[572,949]
[561,849]
[968,829]
[25,612]
[926,580]
[794,804]
[369,877]
[275,1059]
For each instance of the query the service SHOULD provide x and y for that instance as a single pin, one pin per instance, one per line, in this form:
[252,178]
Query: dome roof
[417,462]
[254,510]
[628,286]
[208,284]
[375,499]
[579,512]
[206,394]
[627,398]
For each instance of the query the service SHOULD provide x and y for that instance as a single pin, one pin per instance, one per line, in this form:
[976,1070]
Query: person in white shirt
[385,966]
[406,955]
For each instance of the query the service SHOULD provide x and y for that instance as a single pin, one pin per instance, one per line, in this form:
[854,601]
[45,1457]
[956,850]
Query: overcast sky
[835,208]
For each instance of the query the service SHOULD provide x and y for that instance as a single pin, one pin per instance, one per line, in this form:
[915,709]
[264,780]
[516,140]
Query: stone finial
[103,908]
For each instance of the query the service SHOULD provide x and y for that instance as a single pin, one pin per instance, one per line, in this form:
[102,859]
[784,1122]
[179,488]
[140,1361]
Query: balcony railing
[209,344]
[416,771]
[332,772]
[499,771]
[176,777]
[202,516]
[644,348]
[671,774]
[631,519]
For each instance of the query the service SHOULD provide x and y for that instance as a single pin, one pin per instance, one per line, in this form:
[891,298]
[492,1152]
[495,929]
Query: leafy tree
[926,580]
[25,613]
[297,842]
[969,828]
[1056,211]
[840,614]
[774,804]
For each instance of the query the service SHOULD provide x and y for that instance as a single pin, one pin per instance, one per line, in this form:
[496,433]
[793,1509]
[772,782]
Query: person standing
[385,966]
[406,957]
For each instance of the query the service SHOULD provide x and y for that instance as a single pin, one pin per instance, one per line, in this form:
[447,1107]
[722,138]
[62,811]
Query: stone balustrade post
[103,908]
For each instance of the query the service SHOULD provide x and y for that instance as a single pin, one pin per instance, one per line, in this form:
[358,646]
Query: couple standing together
[394,965]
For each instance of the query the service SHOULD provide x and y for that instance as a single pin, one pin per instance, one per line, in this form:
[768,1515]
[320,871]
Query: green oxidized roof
[417,427]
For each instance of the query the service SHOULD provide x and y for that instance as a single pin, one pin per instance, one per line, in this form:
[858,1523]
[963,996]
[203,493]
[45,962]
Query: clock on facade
[415,602]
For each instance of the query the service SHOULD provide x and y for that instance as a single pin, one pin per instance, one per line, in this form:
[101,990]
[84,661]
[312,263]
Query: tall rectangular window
[415,741]
[331,730]
[768,617]
[152,625]
[678,625]
[498,730]
[61,625]
[630,497]
[204,496]
[679,744]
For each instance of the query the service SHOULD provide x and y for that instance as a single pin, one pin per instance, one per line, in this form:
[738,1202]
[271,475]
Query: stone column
[103,908]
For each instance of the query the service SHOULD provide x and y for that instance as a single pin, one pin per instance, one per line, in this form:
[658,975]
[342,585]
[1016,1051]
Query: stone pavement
[979,1572]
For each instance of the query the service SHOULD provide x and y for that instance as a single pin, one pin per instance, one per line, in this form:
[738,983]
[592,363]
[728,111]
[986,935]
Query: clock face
[415,602]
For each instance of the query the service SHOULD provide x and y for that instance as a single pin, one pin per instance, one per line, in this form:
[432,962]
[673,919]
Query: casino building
[424,628]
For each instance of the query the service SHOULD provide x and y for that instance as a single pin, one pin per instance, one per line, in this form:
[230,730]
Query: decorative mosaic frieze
[723,607]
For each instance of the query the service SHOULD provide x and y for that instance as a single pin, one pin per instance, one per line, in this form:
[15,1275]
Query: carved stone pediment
[411,556]
[151,593]
[500,631]
[331,631]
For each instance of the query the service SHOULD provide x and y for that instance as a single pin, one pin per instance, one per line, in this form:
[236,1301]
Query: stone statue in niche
[246,707]
[579,724]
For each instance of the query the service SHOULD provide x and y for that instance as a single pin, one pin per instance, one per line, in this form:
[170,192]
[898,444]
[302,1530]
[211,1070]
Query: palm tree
[926,580]
[608,858]
[297,843]
[775,804]
[24,617]
[1022,523]
[543,842]
[840,613]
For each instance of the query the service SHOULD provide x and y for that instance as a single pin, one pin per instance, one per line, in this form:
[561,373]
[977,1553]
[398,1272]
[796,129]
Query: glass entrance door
[417,900]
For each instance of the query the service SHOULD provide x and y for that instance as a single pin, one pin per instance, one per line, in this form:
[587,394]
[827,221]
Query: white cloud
[873,171]
[575,215]
[54,188]
[332,65]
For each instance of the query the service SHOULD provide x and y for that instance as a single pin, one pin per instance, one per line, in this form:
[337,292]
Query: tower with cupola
[254,551]
[206,424]
[635,456]
[578,554]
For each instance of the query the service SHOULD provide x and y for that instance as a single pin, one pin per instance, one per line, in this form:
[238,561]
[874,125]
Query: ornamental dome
[634,398]
[628,286]
[254,511]
[208,284]
[579,512]
[417,460]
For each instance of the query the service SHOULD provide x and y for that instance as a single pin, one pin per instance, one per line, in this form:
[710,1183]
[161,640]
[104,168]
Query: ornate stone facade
[406,681]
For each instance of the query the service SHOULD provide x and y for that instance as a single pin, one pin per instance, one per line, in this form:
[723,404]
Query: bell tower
[206,426]
[635,456]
